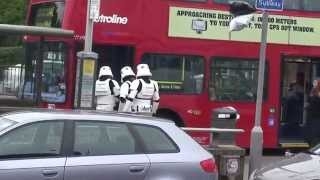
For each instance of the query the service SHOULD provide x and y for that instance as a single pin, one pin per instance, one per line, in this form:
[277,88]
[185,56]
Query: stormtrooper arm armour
[132,95]
[156,98]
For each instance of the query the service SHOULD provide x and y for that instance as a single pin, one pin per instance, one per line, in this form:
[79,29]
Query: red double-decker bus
[198,63]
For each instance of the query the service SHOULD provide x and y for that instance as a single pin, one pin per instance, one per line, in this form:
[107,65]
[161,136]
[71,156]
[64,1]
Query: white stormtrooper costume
[144,93]
[107,90]
[127,76]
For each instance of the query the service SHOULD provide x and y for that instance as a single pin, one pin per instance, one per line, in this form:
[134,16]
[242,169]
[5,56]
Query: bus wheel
[171,115]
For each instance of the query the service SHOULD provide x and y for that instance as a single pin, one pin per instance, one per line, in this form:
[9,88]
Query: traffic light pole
[256,144]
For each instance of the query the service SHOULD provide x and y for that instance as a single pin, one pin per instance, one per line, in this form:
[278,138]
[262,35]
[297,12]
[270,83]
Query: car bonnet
[300,166]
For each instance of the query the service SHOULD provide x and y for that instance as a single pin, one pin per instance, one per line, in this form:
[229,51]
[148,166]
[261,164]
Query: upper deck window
[305,5]
[196,0]
[47,15]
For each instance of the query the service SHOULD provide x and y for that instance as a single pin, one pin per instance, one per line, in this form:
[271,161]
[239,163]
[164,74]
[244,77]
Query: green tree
[12,12]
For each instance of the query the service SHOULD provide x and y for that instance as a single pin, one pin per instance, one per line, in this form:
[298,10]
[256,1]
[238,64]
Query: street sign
[273,5]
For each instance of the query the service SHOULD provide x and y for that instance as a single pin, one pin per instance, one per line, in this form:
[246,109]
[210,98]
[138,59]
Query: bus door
[297,77]
[115,56]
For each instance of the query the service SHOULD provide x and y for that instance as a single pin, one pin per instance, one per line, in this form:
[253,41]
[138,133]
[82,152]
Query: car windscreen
[315,150]
[5,123]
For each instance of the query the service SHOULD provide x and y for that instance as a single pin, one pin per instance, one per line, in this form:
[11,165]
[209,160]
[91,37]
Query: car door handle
[136,168]
[49,172]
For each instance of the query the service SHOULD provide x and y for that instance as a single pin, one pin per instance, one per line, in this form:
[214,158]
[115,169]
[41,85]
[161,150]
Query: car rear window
[5,123]
[155,140]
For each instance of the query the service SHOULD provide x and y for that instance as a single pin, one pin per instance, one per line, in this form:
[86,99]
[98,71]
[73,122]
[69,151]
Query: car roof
[46,114]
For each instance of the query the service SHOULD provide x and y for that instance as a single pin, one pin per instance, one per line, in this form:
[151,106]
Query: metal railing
[11,78]
[212,130]
[217,135]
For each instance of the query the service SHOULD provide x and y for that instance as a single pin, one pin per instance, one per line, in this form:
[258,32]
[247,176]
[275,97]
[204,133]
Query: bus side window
[176,73]
[234,79]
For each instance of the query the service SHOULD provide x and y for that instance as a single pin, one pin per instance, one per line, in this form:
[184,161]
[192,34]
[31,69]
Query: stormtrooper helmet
[105,71]
[126,71]
[143,70]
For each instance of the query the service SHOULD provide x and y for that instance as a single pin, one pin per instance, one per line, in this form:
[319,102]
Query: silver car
[70,145]
[302,166]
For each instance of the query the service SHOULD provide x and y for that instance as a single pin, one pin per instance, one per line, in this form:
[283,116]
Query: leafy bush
[11,55]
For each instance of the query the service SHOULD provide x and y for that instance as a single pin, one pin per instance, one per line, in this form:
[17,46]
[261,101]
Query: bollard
[230,161]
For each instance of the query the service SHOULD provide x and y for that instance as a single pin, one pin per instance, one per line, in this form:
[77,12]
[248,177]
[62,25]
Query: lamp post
[241,11]
[87,63]
[256,143]
[93,8]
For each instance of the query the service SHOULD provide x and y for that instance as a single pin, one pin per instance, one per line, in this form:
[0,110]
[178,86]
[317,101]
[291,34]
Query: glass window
[47,15]
[34,140]
[234,79]
[193,0]
[252,2]
[53,75]
[155,140]
[103,138]
[28,82]
[311,5]
[292,4]
[176,73]
[53,78]
[5,123]
[196,0]
[307,5]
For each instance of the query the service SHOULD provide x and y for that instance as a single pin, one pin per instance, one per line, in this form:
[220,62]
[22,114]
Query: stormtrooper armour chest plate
[147,91]
[143,100]
[103,93]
